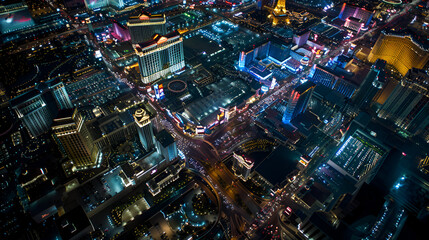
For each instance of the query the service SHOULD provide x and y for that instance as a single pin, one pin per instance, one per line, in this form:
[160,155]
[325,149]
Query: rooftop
[199,44]
[120,49]
[354,19]
[329,95]
[156,40]
[224,93]
[128,170]
[316,192]
[24,97]
[359,154]
[146,17]
[109,123]
[164,138]
[64,116]
[304,87]
[278,165]
[72,223]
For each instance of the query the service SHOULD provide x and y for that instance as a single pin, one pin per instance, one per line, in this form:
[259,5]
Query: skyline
[238,119]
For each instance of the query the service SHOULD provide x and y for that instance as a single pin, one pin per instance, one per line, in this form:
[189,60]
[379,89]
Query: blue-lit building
[410,190]
[166,145]
[36,110]
[144,128]
[298,101]
[278,52]
[259,4]
[247,57]
[327,77]
[18,23]
[301,38]
[258,60]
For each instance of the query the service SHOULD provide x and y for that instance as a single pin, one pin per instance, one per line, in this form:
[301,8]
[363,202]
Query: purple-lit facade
[120,32]
[353,11]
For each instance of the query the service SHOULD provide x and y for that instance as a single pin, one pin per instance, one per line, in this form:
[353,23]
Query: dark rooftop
[128,170]
[198,44]
[64,116]
[24,97]
[72,223]
[320,192]
[109,123]
[305,121]
[278,165]
[164,138]
[304,87]
[354,19]
[379,64]
[330,95]
[157,39]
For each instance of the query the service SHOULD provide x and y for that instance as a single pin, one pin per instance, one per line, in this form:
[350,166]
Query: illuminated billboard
[159,91]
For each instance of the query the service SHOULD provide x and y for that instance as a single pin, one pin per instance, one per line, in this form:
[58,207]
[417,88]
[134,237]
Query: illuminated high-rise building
[371,85]
[166,145]
[400,51]
[247,57]
[39,106]
[36,109]
[408,104]
[160,56]
[144,128]
[118,4]
[60,94]
[89,24]
[94,4]
[298,101]
[69,133]
[419,125]
[242,166]
[410,191]
[144,26]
